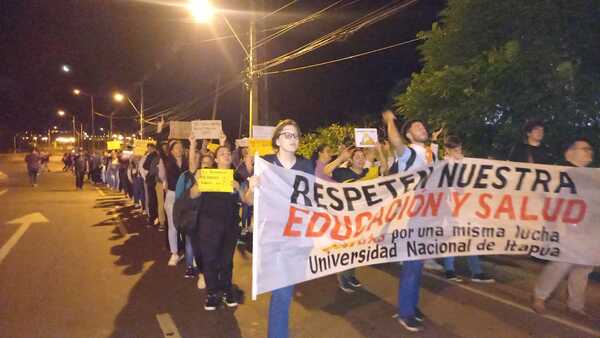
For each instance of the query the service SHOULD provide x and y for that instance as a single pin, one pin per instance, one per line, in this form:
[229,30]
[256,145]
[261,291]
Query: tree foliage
[491,65]
[332,135]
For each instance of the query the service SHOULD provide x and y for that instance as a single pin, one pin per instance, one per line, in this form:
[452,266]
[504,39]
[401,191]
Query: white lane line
[559,320]
[167,325]
[2,192]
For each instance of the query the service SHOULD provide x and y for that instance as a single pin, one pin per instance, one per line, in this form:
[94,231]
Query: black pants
[79,175]
[217,240]
[152,201]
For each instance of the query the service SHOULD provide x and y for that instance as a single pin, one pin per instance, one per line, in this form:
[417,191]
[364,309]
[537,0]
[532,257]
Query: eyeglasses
[289,136]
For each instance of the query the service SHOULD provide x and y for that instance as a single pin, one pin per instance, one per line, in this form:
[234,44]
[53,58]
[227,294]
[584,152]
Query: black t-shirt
[346,175]
[221,205]
[522,152]
[301,164]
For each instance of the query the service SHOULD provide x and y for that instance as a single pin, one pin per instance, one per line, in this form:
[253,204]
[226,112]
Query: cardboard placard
[215,180]
[212,147]
[263,147]
[141,146]
[113,145]
[180,130]
[242,142]
[262,132]
[207,129]
[365,137]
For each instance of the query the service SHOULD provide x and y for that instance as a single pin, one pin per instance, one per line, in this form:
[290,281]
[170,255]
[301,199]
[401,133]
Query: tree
[332,135]
[491,65]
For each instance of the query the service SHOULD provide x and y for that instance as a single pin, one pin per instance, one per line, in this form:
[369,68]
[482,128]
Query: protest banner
[113,145]
[207,129]
[262,132]
[306,228]
[141,146]
[180,130]
[365,137]
[242,142]
[262,147]
[212,147]
[215,180]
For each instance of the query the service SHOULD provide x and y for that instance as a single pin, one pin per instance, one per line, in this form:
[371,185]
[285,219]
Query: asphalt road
[84,264]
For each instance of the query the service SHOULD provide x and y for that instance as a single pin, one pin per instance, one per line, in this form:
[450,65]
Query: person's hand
[204,144]
[192,140]
[388,116]
[346,153]
[236,185]
[222,138]
[253,182]
[436,134]
[249,161]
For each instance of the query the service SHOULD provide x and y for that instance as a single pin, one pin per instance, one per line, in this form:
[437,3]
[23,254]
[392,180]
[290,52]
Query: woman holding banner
[285,142]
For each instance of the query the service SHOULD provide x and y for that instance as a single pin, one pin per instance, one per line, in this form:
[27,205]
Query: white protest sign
[180,129]
[262,132]
[305,230]
[365,137]
[243,142]
[207,129]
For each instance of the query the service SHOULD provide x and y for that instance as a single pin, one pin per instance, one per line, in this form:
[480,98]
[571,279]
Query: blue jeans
[473,261]
[410,286]
[279,312]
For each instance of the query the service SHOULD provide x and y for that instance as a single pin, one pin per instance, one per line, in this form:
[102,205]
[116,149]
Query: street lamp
[201,10]
[121,97]
[79,92]
[62,113]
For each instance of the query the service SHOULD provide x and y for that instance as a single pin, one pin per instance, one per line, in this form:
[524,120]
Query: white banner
[207,129]
[306,228]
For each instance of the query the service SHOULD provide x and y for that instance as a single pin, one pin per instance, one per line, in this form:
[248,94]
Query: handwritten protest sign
[262,147]
[212,147]
[215,180]
[306,228]
[113,145]
[262,132]
[180,129]
[243,142]
[207,129]
[141,146]
[365,137]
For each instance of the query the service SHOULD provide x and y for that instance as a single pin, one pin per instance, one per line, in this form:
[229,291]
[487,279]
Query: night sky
[113,45]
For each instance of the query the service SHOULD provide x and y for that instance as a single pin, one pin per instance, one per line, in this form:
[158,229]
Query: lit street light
[118,97]
[201,10]
[63,113]
[78,92]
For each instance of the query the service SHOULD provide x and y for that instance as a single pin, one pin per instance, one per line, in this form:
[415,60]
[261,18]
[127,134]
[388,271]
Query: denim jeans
[410,286]
[189,251]
[279,312]
[473,261]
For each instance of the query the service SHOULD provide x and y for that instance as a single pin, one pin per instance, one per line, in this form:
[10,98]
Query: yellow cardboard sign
[141,146]
[113,145]
[212,147]
[263,147]
[215,180]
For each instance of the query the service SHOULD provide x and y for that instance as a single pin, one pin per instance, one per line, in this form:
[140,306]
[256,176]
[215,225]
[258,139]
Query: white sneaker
[174,260]
[201,283]
[431,264]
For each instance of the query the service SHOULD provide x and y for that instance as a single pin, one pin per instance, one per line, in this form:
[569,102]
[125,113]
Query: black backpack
[185,210]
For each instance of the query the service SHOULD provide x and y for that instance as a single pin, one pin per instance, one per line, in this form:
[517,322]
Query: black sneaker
[190,272]
[211,303]
[345,286]
[355,283]
[419,316]
[229,299]
[410,324]
[450,275]
[482,278]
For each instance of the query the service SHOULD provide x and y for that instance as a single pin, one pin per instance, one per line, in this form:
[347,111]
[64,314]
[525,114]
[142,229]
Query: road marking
[167,325]
[2,192]
[102,193]
[559,320]
[25,222]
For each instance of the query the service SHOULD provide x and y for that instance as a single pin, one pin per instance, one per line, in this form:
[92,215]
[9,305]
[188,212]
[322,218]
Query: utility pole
[93,129]
[252,76]
[75,131]
[216,100]
[141,110]
[15,142]
[111,117]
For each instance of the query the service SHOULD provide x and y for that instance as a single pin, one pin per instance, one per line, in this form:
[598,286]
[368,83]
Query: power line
[279,9]
[342,59]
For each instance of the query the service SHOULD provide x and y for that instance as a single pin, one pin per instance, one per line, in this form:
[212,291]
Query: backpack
[411,160]
[185,209]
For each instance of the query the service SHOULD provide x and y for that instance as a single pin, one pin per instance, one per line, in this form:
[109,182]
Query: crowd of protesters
[204,228]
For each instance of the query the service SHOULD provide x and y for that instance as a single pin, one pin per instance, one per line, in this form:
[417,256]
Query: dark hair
[221,147]
[452,142]
[151,145]
[406,127]
[320,148]
[532,124]
[209,155]
[279,129]
[572,142]
[172,145]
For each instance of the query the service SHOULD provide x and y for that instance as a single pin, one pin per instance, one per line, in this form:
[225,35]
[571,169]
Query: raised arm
[393,134]
[344,156]
[193,160]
